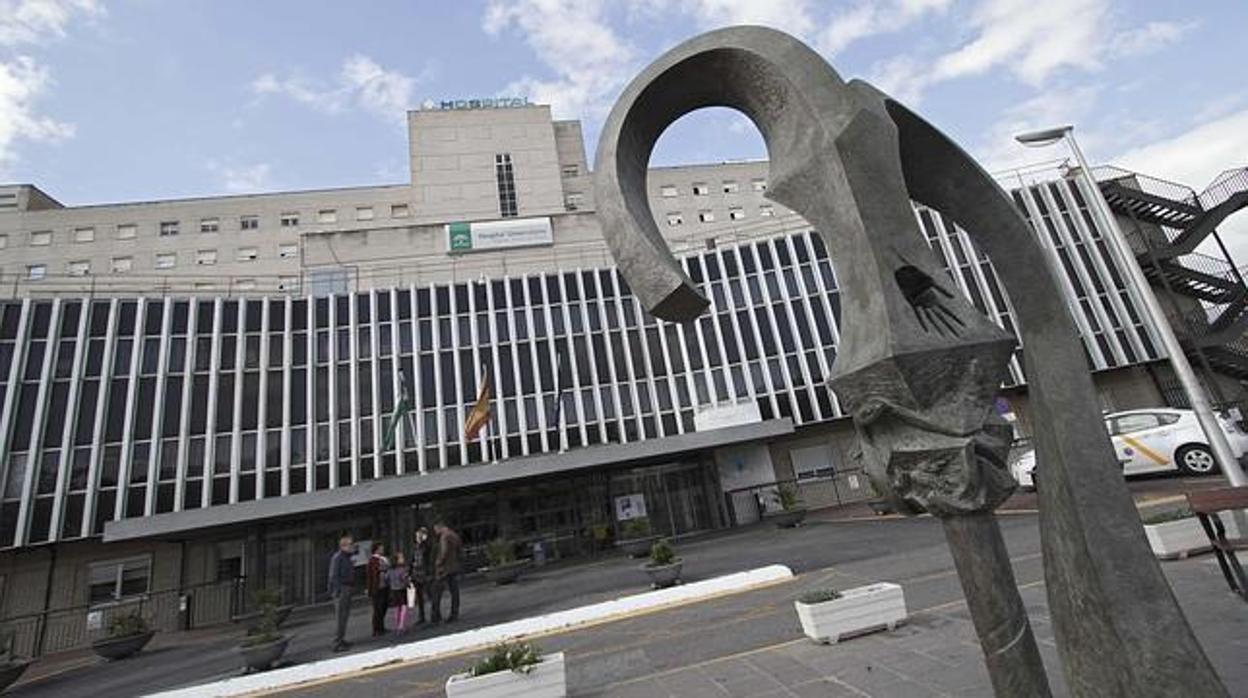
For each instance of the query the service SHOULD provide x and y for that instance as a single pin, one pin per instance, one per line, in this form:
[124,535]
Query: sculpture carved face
[924,467]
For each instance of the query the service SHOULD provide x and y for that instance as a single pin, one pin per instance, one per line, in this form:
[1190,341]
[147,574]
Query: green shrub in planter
[819,596]
[789,501]
[499,552]
[127,625]
[635,528]
[661,553]
[520,657]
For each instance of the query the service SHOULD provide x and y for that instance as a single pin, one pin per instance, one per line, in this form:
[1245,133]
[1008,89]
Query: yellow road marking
[1150,453]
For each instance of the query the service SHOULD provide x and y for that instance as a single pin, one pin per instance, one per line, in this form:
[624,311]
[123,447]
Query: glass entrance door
[674,496]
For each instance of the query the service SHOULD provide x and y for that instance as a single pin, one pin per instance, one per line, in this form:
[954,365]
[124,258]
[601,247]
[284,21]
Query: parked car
[1153,440]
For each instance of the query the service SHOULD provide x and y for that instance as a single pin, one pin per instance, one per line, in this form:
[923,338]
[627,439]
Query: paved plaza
[747,644]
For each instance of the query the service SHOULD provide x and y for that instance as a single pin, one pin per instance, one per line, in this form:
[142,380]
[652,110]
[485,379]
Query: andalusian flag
[479,416]
[401,411]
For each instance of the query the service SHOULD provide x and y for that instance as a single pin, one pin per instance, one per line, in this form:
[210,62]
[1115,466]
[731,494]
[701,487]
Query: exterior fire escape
[1206,295]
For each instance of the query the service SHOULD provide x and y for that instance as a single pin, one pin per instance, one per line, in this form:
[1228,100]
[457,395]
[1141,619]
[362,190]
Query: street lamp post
[1221,448]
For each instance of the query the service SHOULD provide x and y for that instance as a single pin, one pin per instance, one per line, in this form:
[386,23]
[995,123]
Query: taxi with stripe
[1154,440]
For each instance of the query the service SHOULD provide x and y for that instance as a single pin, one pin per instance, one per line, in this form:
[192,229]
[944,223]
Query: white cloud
[792,16]
[23,80]
[243,179]
[871,18]
[999,151]
[361,83]
[574,39]
[1151,37]
[37,21]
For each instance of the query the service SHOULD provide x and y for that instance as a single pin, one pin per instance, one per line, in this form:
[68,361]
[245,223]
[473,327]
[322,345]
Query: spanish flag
[479,416]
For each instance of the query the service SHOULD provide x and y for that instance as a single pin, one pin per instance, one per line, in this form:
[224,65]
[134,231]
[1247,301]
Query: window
[668,191]
[170,228]
[506,178]
[572,201]
[363,213]
[813,462]
[249,223]
[166,261]
[758,184]
[570,170]
[245,284]
[701,189]
[288,283]
[122,265]
[1129,423]
[706,216]
[674,219]
[79,268]
[206,258]
[41,238]
[736,213]
[127,231]
[399,211]
[206,225]
[247,254]
[35,272]
[4,241]
[730,186]
[288,251]
[766,211]
[115,580]
[327,215]
[84,234]
[290,219]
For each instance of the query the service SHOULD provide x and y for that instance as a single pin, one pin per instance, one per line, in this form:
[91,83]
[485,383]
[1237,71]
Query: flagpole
[489,420]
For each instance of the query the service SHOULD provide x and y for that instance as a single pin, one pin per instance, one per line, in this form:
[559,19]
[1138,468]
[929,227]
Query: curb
[479,638]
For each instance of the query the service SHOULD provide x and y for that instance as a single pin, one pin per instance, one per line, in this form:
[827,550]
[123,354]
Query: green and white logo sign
[494,235]
[459,236]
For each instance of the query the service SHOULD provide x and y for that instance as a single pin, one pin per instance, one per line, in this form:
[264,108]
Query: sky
[104,101]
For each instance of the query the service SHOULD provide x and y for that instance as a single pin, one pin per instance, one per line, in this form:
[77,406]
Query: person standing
[378,592]
[420,574]
[396,581]
[341,588]
[446,569]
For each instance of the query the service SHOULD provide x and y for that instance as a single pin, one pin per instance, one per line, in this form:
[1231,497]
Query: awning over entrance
[470,477]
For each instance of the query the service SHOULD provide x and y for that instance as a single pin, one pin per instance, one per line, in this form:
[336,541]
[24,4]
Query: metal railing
[1149,185]
[1224,186]
[75,627]
[751,504]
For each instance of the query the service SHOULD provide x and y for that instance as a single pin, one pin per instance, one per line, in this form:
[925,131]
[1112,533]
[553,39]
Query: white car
[1153,440]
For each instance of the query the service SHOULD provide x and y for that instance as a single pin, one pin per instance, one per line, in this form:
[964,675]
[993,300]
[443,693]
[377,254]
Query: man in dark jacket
[341,586]
[446,569]
[378,592]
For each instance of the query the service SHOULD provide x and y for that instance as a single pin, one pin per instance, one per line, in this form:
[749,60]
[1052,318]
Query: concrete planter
[549,679]
[261,657]
[637,547]
[1175,540]
[10,672]
[114,648]
[663,576]
[857,612]
[505,573]
[791,518]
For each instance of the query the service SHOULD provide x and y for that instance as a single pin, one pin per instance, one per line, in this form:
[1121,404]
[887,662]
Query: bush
[635,528]
[520,657]
[499,552]
[266,601]
[819,596]
[661,553]
[1168,515]
[789,501]
[126,625]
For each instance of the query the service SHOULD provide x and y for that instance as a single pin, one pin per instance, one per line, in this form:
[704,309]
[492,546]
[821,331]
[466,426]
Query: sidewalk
[751,644]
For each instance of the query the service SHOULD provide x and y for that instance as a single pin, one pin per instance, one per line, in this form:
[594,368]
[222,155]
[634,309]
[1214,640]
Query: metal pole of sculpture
[918,366]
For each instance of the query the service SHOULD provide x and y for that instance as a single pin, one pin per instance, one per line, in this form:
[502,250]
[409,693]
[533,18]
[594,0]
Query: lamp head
[1048,136]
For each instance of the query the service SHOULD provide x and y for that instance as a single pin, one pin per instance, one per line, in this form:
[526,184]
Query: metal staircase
[1207,292]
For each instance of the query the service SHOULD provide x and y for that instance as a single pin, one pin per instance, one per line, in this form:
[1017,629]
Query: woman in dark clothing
[419,574]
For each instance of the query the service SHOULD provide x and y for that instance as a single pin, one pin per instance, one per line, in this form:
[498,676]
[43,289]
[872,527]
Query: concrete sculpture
[918,366]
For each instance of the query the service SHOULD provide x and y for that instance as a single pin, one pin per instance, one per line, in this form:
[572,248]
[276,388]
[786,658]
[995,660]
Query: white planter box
[549,679]
[858,611]
[1175,540]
